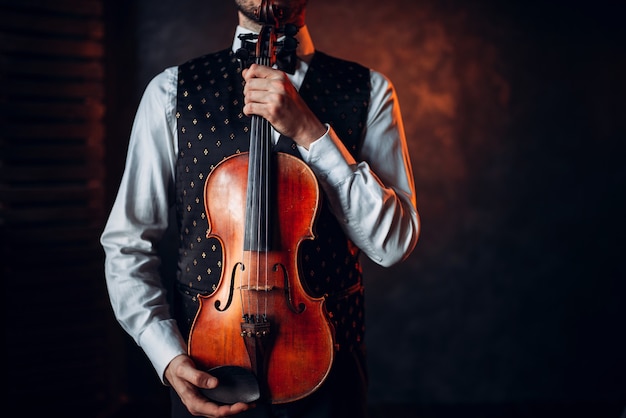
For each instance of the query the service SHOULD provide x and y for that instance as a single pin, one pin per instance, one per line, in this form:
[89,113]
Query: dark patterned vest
[212,126]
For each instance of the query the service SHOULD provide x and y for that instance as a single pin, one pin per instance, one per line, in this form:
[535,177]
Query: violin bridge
[257,288]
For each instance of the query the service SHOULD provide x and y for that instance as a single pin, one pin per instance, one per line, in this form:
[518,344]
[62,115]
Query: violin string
[258,216]
[260,204]
[262,208]
[262,132]
[254,130]
[267,155]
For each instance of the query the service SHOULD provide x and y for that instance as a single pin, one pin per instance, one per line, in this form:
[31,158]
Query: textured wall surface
[514,119]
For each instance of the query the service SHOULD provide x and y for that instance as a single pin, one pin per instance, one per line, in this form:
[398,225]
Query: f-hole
[231,288]
[288,297]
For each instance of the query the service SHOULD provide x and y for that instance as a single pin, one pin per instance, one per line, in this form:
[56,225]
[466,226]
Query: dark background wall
[514,118]
[514,296]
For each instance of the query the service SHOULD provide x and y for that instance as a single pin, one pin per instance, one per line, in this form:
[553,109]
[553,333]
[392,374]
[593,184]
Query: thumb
[208,381]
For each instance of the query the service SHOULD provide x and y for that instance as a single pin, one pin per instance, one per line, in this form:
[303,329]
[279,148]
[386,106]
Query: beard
[293,11]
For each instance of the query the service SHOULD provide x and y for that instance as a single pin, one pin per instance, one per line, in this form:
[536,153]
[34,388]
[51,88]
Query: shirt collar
[305,42]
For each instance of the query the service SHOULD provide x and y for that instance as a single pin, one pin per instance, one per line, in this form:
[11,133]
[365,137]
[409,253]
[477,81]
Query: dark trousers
[342,395]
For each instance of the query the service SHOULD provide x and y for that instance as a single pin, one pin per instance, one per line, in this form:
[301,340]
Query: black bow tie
[286,58]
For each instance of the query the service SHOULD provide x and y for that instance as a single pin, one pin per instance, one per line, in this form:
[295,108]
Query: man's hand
[185,378]
[269,94]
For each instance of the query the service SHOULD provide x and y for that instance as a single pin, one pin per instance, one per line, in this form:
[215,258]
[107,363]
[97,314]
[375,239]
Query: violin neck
[259,189]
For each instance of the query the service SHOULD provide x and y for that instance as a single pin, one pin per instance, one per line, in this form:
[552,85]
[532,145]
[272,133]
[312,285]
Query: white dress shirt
[374,199]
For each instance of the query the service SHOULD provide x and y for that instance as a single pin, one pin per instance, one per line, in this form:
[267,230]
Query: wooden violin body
[294,356]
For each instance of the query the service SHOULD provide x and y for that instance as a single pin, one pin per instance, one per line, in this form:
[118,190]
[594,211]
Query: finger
[203,380]
[227,410]
[238,408]
[209,409]
[197,377]
[255,84]
[261,71]
[258,96]
[199,405]
[256,71]
[253,109]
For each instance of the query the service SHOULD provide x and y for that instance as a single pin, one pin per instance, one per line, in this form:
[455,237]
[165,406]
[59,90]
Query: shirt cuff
[329,158]
[162,342]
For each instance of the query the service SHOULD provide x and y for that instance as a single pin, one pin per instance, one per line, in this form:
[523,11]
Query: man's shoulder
[323,58]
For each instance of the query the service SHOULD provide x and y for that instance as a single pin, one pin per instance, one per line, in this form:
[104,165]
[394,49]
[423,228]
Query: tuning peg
[290,30]
[242,54]
[243,57]
[289,44]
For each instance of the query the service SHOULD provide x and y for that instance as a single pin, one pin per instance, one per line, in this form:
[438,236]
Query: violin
[260,332]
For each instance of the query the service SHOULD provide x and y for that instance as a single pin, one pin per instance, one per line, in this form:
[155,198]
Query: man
[345,123]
